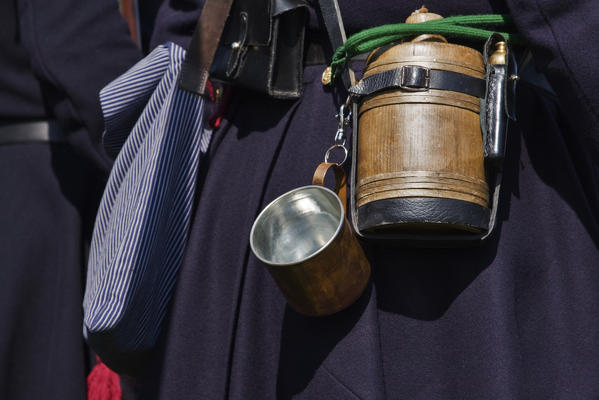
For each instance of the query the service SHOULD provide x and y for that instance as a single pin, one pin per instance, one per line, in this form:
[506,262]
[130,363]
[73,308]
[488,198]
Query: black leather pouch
[262,47]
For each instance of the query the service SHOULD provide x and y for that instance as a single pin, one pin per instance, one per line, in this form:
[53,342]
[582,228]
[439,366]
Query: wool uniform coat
[55,56]
[514,318]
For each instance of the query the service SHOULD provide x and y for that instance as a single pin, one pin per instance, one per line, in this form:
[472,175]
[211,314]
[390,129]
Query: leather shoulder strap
[204,42]
[334,25]
[129,11]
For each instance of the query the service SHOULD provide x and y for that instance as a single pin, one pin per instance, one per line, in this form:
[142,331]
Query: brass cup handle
[340,180]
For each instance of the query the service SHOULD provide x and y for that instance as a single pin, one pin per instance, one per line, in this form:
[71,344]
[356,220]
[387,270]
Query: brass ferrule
[499,55]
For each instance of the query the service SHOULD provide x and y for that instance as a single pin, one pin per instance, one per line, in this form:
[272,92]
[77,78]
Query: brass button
[326,76]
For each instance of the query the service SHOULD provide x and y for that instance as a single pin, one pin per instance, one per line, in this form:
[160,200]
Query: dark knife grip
[495,114]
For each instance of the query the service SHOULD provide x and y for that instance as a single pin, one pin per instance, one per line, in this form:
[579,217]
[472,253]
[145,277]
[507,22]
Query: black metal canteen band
[31,132]
[417,78]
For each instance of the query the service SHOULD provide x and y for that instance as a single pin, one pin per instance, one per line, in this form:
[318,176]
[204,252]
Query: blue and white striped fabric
[143,221]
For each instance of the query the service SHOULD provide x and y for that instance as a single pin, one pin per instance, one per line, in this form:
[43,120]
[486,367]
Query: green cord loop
[460,26]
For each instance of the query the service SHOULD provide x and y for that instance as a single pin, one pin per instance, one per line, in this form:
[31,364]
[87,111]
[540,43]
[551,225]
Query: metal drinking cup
[310,250]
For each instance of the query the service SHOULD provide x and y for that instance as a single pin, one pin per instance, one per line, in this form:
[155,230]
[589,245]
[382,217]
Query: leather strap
[196,66]
[31,132]
[129,11]
[340,180]
[417,78]
[334,25]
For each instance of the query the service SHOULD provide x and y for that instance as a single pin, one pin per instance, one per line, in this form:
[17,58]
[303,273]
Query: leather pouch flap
[258,28]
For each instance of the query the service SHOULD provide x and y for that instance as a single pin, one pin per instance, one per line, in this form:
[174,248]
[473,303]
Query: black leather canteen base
[423,214]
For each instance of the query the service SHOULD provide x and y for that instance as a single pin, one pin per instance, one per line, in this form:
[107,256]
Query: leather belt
[334,26]
[31,132]
[318,53]
[417,78]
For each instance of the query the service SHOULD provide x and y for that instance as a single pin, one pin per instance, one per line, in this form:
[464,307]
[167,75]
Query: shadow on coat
[307,341]
[559,156]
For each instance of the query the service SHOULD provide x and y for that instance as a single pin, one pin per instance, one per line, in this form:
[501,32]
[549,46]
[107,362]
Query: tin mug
[309,248]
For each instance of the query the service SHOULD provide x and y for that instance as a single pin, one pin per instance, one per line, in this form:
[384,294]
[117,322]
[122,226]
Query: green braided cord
[483,19]
[370,39]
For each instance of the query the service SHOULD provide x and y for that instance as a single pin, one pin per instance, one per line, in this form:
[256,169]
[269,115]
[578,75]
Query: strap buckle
[415,78]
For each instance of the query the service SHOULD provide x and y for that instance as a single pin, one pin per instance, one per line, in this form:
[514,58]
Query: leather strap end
[193,80]
[200,55]
[340,180]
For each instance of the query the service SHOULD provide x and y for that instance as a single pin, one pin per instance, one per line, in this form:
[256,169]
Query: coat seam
[594,114]
[325,369]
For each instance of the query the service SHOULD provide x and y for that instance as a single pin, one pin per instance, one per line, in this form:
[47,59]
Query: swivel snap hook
[343,120]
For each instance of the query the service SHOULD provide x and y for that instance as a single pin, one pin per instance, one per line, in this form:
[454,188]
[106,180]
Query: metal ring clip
[333,147]
[343,120]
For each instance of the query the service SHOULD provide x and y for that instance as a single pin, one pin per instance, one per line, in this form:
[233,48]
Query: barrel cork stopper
[423,15]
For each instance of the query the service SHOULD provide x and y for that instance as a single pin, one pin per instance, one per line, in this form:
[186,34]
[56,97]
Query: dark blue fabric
[21,94]
[54,58]
[62,55]
[515,318]
[45,209]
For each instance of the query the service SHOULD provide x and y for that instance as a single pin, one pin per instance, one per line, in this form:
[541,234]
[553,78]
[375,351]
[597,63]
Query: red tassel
[211,91]
[103,384]
[216,118]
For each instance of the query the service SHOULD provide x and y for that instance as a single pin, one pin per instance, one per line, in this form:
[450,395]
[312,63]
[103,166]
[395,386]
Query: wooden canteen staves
[420,164]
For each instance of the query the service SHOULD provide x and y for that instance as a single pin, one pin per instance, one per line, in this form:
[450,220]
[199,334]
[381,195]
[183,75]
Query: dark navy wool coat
[55,56]
[514,318]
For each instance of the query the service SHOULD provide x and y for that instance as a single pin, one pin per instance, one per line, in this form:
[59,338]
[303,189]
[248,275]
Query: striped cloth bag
[142,225]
